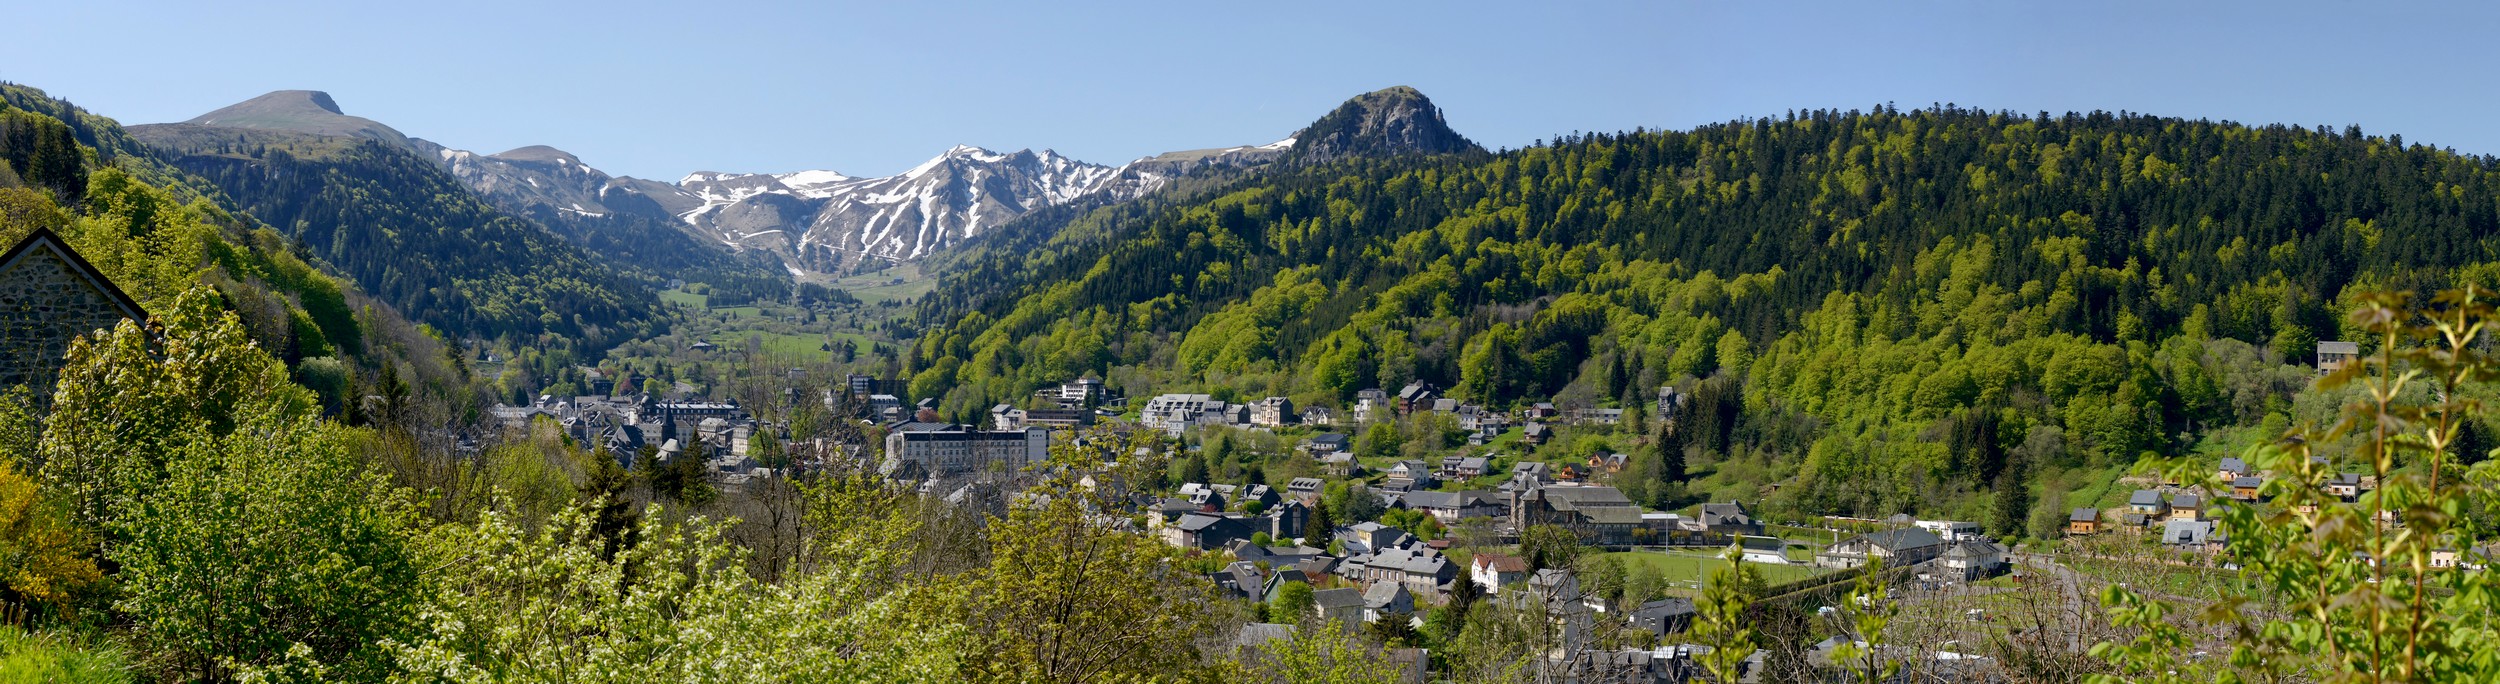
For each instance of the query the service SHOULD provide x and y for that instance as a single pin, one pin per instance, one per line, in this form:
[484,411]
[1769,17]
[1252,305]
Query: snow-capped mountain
[827,220]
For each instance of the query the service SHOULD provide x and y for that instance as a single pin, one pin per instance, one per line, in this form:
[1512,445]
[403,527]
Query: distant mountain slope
[292,307]
[301,111]
[821,220]
[400,226]
[586,206]
[1865,285]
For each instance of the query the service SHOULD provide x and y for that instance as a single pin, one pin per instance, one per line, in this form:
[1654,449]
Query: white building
[936,449]
[1174,413]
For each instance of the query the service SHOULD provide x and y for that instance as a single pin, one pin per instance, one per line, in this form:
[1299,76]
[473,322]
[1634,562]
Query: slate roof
[1337,598]
[2084,515]
[2144,497]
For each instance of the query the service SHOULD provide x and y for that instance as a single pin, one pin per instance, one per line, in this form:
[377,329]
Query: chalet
[1342,605]
[1318,415]
[2147,503]
[1445,405]
[1897,548]
[1387,600]
[2346,486]
[2194,535]
[1543,410]
[1366,537]
[1206,532]
[1493,571]
[2083,521]
[1451,507]
[2247,487]
[1207,498]
[1473,466]
[1326,442]
[1606,462]
[1761,549]
[2186,507]
[1418,569]
[1409,476]
[1417,396]
[2232,469]
[1260,494]
[1305,488]
[2334,356]
[1725,518]
[1974,559]
[1536,434]
[1341,464]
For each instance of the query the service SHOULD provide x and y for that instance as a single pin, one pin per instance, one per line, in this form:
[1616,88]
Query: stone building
[48,296]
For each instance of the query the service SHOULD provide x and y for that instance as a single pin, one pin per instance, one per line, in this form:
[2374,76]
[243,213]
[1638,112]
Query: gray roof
[2334,347]
[2184,501]
[2084,515]
[1903,539]
[1383,594]
[1664,608]
[2144,497]
[2248,481]
[1337,598]
[2234,465]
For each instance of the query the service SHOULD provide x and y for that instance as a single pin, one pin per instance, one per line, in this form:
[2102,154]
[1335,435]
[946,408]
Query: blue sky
[658,90]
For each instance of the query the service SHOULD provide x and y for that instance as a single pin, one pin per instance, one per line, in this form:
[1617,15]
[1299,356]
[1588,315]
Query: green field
[1680,567]
[878,287]
[684,298]
[808,347]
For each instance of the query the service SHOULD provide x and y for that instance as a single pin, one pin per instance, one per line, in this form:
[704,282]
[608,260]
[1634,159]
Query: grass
[880,294]
[31,657]
[684,298]
[1684,567]
[877,287]
[805,346]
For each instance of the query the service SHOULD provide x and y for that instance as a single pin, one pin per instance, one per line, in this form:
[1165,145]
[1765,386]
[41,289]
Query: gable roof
[1326,599]
[2144,497]
[44,241]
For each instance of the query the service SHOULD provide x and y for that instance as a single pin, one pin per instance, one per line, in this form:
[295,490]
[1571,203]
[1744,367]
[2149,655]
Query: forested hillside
[156,231]
[411,234]
[1912,301]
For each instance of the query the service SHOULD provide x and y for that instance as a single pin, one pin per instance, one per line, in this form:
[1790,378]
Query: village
[1376,541]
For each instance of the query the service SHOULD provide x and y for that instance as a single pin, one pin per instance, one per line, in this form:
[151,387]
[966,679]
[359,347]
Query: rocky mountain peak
[1386,122]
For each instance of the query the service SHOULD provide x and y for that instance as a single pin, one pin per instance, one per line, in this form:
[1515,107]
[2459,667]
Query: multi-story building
[928,449]
[1273,412]
[1174,413]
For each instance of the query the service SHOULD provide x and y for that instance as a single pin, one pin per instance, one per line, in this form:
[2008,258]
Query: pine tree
[2013,499]
[1670,451]
[1318,530]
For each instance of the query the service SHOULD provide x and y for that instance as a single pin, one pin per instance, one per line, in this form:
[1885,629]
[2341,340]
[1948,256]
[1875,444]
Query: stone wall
[44,303]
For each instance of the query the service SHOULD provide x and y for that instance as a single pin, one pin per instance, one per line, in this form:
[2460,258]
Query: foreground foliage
[2370,590]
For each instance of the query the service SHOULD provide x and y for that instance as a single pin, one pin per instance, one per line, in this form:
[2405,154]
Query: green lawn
[1681,567]
[684,298]
[804,346]
[881,294]
[877,288]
